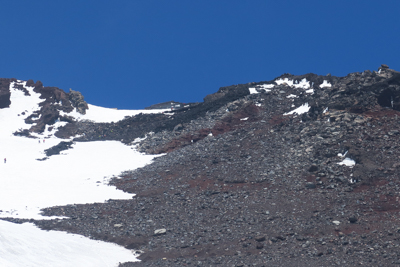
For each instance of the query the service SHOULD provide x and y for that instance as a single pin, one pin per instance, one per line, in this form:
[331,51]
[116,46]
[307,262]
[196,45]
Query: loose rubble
[320,188]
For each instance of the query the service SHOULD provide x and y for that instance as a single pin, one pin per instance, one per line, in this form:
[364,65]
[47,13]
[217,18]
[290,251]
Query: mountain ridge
[297,171]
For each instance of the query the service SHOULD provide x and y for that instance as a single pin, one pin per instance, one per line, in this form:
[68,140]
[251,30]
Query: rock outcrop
[55,101]
[78,101]
[5,93]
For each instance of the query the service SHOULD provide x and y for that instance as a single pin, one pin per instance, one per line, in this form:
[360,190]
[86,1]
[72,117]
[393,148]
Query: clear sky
[131,54]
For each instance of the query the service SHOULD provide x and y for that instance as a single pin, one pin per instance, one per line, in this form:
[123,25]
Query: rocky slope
[244,182]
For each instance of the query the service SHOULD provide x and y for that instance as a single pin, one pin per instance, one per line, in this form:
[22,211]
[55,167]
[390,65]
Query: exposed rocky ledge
[5,93]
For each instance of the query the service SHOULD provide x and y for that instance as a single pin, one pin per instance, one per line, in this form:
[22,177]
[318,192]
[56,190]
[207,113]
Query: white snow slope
[78,175]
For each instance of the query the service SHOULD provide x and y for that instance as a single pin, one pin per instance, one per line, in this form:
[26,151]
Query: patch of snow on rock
[253,90]
[265,87]
[348,162]
[325,84]
[303,84]
[292,96]
[284,81]
[300,110]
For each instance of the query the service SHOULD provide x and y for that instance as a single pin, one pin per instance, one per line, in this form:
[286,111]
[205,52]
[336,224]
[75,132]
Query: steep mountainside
[302,170]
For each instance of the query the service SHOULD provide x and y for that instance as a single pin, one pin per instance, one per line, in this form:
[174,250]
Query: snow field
[79,175]
[28,246]
[100,114]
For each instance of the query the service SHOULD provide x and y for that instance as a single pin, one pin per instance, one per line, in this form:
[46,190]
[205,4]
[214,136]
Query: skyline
[131,54]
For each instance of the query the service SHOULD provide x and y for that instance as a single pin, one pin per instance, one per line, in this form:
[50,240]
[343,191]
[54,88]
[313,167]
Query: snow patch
[325,83]
[265,87]
[348,162]
[292,96]
[100,114]
[253,90]
[300,110]
[303,84]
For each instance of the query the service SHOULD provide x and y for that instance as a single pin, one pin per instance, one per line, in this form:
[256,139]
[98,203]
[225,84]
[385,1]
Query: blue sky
[131,54]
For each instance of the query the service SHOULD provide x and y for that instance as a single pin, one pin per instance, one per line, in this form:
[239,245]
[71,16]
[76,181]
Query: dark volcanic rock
[229,92]
[49,115]
[56,150]
[353,219]
[54,101]
[242,184]
[5,93]
[77,101]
